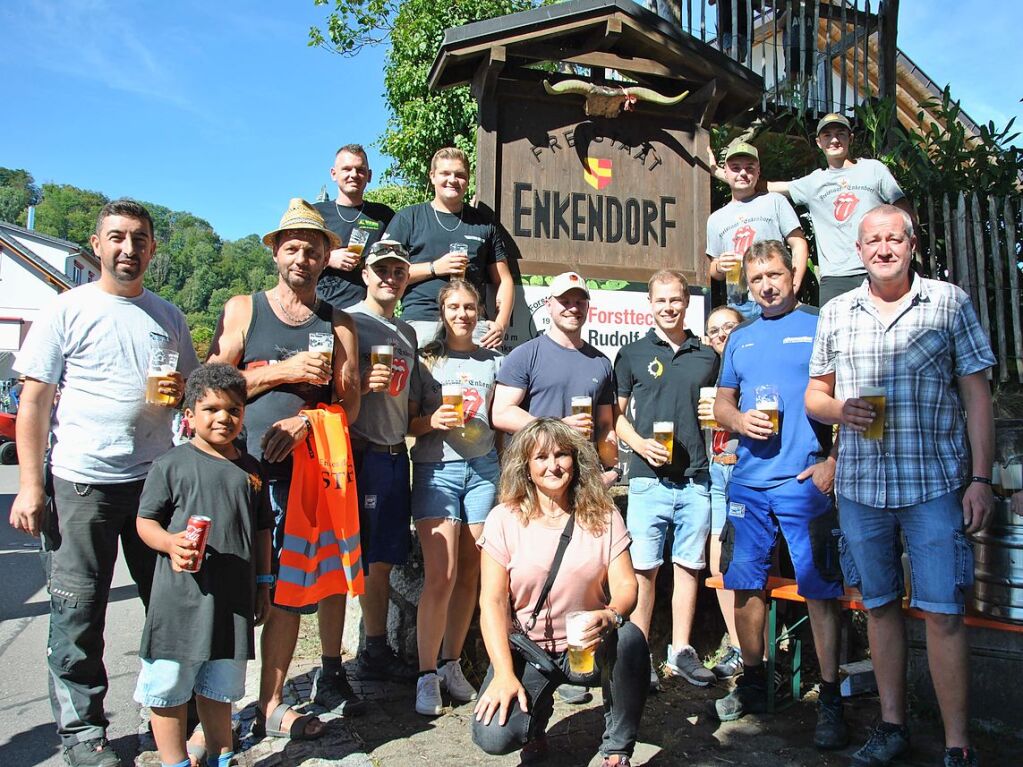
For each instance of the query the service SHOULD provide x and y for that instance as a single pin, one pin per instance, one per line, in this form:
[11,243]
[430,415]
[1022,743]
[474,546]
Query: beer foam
[872,391]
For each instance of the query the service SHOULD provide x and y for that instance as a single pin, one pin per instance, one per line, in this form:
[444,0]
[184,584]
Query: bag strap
[566,537]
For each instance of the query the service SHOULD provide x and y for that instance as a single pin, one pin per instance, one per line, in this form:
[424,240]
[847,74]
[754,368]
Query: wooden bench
[785,590]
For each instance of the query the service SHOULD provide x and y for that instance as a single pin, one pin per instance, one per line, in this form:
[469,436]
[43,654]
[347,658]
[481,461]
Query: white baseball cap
[567,281]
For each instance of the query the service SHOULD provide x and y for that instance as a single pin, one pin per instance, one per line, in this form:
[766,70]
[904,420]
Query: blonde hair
[667,275]
[436,349]
[449,153]
[588,499]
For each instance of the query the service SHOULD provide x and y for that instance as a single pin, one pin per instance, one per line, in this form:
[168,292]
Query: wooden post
[978,256]
[888,15]
[996,268]
[964,277]
[950,264]
[932,255]
[1015,297]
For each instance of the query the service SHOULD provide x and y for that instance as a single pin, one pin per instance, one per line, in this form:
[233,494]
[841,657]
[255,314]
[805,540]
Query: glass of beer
[769,403]
[451,394]
[733,275]
[583,404]
[383,354]
[707,394]
[460,249]
[322,344]
[580,659]
[1012,478]
[664,435]
[357,241]
[162,363]
[876,397]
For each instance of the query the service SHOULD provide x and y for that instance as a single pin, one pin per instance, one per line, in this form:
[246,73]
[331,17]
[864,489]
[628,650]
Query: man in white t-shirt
[93,348]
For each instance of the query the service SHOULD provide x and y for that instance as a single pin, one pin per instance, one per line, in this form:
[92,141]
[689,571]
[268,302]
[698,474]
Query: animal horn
[647,94]
[568,86]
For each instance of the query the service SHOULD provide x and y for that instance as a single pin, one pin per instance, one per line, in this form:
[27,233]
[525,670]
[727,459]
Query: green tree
[18,190]
[421,122]
[68,212]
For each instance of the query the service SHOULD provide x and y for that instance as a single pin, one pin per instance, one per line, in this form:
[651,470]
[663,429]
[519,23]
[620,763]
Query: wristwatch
[619,618]
[617,470]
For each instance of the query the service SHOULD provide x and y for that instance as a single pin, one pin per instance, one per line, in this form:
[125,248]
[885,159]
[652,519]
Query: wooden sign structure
[586,152]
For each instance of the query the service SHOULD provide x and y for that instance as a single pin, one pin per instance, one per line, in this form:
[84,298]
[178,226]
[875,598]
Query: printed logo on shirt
[737,510]
[369,502]
[798,340]
[845,204]
[368,223]
[399,375]
[158,338]
[255,482]
[471,402]
[742,239]
[655,368]
[474,237]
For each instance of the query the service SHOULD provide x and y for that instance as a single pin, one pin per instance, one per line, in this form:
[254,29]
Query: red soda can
[198,531]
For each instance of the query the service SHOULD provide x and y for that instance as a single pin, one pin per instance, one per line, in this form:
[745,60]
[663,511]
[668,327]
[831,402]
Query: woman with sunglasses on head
[454,481]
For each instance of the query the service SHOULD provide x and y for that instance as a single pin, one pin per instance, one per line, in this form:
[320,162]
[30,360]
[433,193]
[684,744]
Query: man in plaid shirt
[917,342]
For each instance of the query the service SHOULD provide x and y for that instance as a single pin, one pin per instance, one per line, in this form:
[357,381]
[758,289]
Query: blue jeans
[720,474]
[462,491]
[940,555]
[656,504]
[167,683]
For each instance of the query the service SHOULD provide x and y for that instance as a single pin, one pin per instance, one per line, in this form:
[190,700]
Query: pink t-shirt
[527,552]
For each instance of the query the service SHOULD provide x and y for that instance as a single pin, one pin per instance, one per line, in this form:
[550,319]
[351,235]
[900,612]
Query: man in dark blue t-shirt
[781,481]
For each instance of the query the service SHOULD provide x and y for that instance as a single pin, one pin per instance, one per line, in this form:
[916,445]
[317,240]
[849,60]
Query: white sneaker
[685,663]
[428,700]
[455,683]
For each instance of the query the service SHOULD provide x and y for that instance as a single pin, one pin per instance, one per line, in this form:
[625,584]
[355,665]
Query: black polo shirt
[665,386]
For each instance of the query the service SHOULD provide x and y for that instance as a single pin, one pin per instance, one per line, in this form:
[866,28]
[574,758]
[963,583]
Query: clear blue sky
[220,108]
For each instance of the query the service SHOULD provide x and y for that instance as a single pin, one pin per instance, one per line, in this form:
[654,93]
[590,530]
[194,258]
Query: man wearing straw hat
[267,335]
[901,363]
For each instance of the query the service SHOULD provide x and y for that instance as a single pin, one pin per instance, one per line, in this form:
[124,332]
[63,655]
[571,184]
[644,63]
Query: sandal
[271,725]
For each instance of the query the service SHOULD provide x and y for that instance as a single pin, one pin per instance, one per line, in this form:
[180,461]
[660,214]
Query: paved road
[27,735]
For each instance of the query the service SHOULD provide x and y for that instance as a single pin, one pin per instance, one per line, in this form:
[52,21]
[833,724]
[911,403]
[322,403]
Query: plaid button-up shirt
[932,339]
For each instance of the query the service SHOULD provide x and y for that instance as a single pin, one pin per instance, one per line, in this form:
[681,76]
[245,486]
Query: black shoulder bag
[519,640]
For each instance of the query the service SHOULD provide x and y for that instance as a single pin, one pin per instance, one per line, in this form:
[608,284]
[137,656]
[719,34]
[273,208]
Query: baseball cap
[567,281]
[833,119]
[385,249]
[740,147]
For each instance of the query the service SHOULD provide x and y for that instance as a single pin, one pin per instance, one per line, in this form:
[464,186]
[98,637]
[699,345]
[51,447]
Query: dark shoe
[885,743]
[729,665]
[574,694]
[831,733]
[384,665]
[333,692]
[746,698]
[961,757]
[92,753]
[685,663]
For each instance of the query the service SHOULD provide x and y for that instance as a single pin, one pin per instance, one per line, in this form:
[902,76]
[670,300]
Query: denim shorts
[720,473]
[462,491]
[940,555]
[279,490]
[807,519]
[385,518]
[169,683]
[657,504]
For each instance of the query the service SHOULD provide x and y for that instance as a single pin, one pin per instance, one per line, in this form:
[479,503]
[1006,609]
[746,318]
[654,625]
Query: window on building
[76,273]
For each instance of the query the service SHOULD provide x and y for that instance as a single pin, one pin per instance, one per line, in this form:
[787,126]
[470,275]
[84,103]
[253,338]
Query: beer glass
[382,354]
[580,659]
[451,394]
[162,363]
[876,397]
[664,435]
[583,404]
[733,275]
[357,241]
[322,344]
[769,403]
[461,249]
[709,393]
[1012,478]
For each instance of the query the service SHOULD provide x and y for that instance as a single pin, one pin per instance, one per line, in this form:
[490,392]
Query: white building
[34,267]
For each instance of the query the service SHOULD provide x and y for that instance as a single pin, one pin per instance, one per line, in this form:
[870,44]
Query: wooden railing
[975,241]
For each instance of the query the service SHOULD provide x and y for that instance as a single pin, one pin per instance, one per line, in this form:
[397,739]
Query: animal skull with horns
[607,101]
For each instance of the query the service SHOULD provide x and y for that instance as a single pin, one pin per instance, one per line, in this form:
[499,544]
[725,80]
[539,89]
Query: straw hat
[301,215]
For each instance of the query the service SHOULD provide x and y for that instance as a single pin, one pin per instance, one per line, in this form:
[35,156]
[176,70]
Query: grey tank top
[268,342]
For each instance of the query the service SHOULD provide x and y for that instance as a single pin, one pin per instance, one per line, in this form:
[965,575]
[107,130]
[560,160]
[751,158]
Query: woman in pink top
[551,474]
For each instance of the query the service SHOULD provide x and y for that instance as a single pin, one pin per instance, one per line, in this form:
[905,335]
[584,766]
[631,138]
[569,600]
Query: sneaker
[428,700]
[92,753]
[333,692]
[655,679]
[685,663]
[747,697]
[885,743]
[729,665]
[453,680]
[574,694]
[961,757]
[383,665]
[831,733]
[623,761]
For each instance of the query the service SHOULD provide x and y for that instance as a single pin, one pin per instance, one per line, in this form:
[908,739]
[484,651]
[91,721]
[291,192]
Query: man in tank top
[268,335]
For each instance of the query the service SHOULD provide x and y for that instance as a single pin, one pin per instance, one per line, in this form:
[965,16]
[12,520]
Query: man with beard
[662,374]
[351,217]
[266,335]
[93,348]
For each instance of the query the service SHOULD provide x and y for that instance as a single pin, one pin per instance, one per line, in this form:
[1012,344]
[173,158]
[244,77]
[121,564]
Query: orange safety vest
[322,553]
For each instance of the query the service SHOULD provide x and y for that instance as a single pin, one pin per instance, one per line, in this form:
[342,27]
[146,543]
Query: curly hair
[214,376]
[588,499]
[436,349]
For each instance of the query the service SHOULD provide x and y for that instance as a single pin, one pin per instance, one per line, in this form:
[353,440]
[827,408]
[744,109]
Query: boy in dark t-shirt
[199,629]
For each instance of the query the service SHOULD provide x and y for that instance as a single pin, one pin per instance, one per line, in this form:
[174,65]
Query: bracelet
[307,422]
[267,580]
[616,469]
[433,270]
[982,480]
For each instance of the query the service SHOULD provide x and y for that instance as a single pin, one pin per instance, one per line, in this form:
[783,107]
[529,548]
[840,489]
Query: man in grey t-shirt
[93,347]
